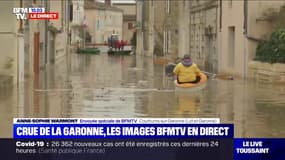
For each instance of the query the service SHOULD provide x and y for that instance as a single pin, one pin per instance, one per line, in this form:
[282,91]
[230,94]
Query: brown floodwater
[96,86]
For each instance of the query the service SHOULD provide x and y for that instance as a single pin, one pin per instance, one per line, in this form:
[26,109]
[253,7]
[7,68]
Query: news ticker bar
[114,149]
[129,149]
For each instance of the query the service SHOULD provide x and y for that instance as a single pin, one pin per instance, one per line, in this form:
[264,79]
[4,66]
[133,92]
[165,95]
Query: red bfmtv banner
[45,15]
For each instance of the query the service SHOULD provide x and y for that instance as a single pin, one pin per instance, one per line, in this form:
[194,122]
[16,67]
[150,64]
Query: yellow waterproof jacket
[186,74]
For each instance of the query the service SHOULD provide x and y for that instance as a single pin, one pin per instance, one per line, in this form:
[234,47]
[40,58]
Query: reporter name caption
[136,130]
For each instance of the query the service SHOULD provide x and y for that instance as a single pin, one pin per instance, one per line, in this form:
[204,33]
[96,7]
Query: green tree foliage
[272,50]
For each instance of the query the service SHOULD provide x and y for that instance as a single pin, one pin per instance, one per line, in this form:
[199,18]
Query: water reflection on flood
[133,86]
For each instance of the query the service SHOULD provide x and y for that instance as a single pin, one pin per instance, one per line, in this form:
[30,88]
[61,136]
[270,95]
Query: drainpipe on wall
[220,62]
[67,30]
[21,21]
[221,12]
[164,44]
[20,53]
[245,10]
[68,22]
[46,33]
[142,27]
[245,32]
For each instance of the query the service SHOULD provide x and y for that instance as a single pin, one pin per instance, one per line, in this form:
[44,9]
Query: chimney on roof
[108,2]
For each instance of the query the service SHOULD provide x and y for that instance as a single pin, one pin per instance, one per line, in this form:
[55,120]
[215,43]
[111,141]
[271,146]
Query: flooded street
[93,86]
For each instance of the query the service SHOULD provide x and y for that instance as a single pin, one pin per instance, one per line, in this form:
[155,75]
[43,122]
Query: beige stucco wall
[114,24]
[174,25]
[204,46]
[91,22]
[150,31]
[183,28]
[60,45]
[257,27]
[244,48]
[61,38]
[128,9]
[8,40]
[109,21]
[232,17]
[127,33]
[139,11]
[159,19]
[55,6]
[78,11]
[159,25]
[92,16]
[77,20]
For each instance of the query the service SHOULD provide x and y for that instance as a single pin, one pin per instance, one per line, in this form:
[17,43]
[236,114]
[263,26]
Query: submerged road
[133,86]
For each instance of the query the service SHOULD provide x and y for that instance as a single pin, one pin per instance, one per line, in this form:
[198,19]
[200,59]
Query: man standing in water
[187,71]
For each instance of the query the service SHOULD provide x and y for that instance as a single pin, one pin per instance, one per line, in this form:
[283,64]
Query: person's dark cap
[187,61]
[187,56]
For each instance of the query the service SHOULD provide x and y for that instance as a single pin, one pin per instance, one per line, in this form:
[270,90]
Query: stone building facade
[148,27]
[57,45]
[164,28]
[11,40]
[159,27]
[243,25]
[77,19]
[129,19]
[29,45]
[221,36]
[104,20]
[224,34]
[204,28]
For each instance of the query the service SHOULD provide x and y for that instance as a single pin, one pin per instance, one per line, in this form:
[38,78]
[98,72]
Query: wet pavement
[133,86]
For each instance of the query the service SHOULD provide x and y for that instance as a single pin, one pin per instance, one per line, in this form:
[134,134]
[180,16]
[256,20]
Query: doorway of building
[52,49]
[231,49]
[36,52]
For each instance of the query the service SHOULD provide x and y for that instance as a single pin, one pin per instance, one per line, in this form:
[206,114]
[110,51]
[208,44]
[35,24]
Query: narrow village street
[72,66]
[96,86]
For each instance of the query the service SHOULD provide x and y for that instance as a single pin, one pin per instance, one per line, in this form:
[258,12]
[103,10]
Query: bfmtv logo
[21,13]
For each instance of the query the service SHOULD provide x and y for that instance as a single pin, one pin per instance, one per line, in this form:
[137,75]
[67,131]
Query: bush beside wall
[272,50]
